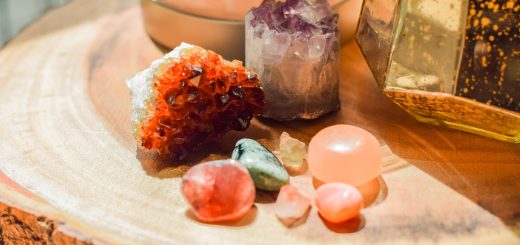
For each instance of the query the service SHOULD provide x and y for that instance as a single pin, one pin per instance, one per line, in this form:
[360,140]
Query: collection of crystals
[192,96]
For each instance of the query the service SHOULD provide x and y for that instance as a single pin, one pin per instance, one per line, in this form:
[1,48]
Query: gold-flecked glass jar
[448,62]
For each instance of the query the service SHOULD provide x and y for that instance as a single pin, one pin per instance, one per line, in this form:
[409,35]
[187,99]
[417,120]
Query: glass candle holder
[454,62]
[218,25]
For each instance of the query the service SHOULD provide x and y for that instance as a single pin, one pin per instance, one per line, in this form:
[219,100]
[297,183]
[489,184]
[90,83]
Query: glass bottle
[453,62]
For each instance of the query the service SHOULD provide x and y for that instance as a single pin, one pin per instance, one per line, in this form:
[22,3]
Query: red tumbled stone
[218,190]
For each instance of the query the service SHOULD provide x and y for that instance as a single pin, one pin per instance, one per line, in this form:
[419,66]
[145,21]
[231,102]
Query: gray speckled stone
[265,169]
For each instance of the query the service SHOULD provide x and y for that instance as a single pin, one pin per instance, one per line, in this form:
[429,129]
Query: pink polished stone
[338,202]
[218,190]
[291,206]
[344,153]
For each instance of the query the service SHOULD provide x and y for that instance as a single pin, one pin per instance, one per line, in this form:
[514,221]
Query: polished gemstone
[189,97]
[292,153]
[338,202]
[265,169]
[344,153]
[218,190]
[291,206]
[293,46]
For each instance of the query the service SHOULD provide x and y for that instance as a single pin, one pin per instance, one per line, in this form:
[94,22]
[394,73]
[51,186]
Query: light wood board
[65,137]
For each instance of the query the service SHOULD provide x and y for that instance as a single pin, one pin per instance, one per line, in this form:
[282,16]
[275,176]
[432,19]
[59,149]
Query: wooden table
[70,172]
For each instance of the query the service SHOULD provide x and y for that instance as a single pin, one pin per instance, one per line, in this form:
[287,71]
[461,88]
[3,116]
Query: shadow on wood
[266,197]
[164,167]
[248,219]
[349,226]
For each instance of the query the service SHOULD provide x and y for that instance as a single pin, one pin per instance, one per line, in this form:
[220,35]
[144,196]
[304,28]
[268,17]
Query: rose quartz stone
[344,153]
[218,190]
[291,206]
[338,202]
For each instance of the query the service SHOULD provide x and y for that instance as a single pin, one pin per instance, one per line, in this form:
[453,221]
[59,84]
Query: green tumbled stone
[265,169]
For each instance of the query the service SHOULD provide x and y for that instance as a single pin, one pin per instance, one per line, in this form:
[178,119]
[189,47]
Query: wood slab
[68,155]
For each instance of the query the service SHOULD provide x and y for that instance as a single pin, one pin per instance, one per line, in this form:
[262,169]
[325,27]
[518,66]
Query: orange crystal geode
[190,96]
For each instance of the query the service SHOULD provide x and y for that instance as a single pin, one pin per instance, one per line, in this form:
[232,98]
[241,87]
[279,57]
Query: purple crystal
[294,47]
[307,17]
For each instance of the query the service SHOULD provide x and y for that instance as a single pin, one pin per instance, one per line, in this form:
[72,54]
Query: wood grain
[20,227]
[21,224]
[66,139]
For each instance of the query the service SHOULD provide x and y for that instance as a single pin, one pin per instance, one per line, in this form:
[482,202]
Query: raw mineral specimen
[189,96]
[291,206]
[266,170]
[292,153]
[294,47]
[338,202]
[218,190]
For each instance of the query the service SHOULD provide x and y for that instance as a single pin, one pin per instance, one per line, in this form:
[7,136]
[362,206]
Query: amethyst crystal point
[294,47]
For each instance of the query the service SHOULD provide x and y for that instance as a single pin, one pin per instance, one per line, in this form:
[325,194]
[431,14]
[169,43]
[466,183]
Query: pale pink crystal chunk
[338,202]
[218,190]
[291,206]
[344,153]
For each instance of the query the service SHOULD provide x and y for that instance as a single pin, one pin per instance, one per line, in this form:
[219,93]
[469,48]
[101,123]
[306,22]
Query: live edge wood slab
[71,172]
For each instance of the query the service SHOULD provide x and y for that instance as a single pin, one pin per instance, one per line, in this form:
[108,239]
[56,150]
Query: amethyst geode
[294,47]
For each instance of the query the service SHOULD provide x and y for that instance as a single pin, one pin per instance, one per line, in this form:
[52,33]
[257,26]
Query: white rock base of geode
[299,76]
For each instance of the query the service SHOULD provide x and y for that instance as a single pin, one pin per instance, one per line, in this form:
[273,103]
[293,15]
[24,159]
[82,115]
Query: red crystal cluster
[199,97]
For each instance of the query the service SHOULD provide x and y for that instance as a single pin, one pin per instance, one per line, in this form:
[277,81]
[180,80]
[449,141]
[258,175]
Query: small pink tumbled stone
[344,153]
[218,190]
[338,202]
[291,206]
